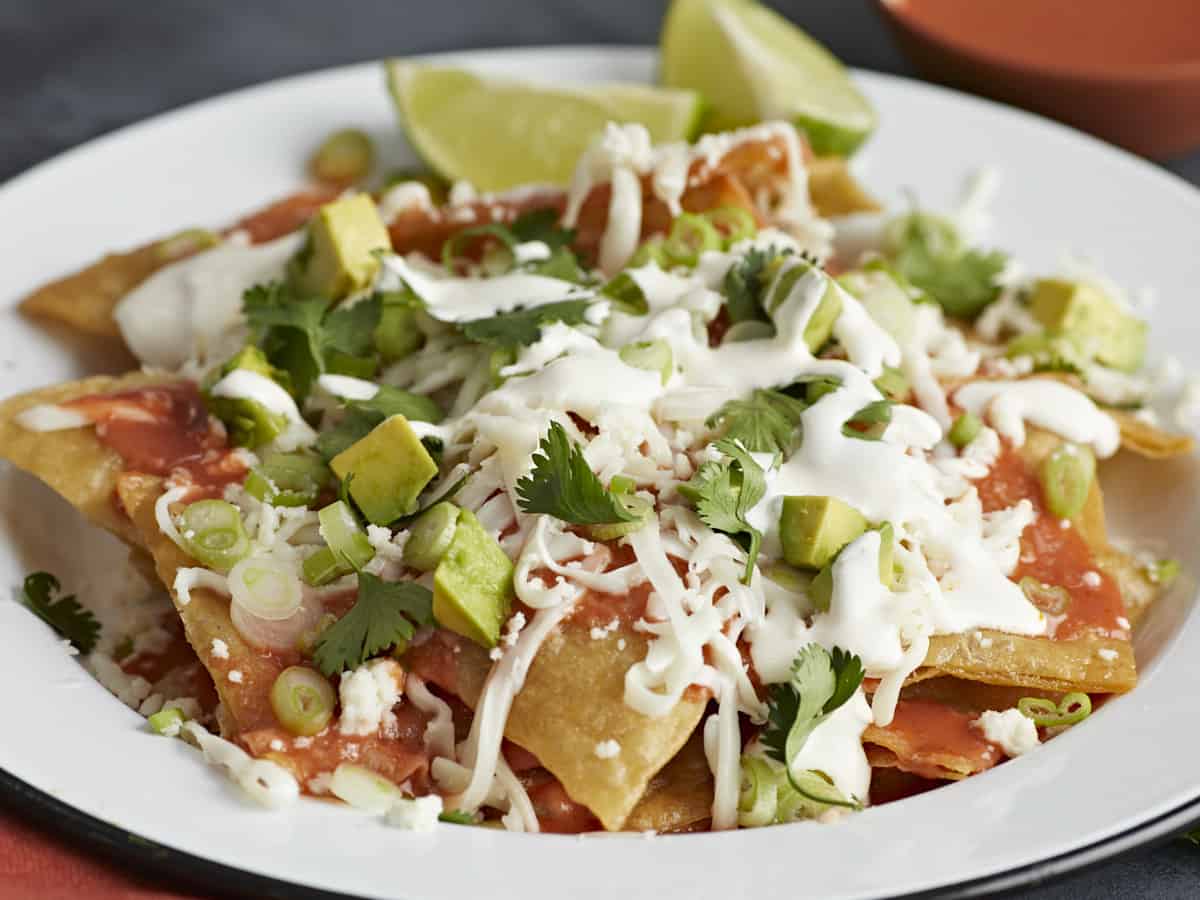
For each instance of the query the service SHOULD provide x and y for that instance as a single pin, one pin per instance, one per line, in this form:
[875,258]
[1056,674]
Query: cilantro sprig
[819,683]
[303,336]
[724,492]
[522,327]
[927,252]
[385,613]
[563,485]
[64,614]
[765,422]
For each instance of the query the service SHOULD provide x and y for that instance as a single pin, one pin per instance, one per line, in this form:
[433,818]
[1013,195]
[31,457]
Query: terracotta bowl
[1127,72]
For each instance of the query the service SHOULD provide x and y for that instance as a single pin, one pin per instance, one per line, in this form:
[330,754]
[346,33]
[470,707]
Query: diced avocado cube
[472,585]
[339,257]
[814,529]
[1083,312]
[387,469]
[655,356]
[1049,352]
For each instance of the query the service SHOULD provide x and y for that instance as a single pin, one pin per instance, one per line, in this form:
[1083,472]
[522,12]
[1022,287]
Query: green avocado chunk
[1094,321]
[472,584]
[819,327]
[814,529]
[820,591]
[387,469]
[339,256]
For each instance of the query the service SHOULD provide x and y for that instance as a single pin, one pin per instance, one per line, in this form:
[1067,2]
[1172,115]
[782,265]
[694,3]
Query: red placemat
[35,864]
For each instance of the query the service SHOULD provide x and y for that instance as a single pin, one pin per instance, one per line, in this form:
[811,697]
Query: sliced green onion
[458,817]
[344,157]
[733,222]
[397,335]
[893,384]
[266,588]
[654,356]
[611,531]
[166,721]
[1164,571]
[964,430]
[339,363]
[342,533]
[622,484]
[819,387]
[1049,598]
[814,787]
[748,330]
[323,567]
[1066,476]
[213,533]
[288,479]
[431,537]
[820,590]
[759,798]
[649,251]
[870,422]
[456,248]
[186,243]
[364,789]
[627,295]
[690,236]
[1071,710]
[303,700]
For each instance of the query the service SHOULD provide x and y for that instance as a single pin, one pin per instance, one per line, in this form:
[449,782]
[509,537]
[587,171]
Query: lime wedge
[669,114]
[752,64]
[499,134]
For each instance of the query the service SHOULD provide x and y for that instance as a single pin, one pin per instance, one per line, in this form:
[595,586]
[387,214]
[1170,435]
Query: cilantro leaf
[385,613]
[522,327]
[765,422]
[64,614]
[746,282]
[542,225]
[304,337]
[361,416]
[724,492]
[962,280]
[563,485]
[819,683]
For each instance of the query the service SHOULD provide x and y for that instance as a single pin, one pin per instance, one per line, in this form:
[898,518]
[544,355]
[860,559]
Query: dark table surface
[72,70]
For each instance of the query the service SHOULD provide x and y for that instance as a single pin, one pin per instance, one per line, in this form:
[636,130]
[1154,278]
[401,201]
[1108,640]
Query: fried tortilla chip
[1149,440]
[245,705]
[574,699]
[931,740]
[73,461]
[679,798]
[85,300]
[1091,664]
[835,191]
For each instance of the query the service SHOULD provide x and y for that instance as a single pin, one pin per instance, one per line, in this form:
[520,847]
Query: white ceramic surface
[1133,762]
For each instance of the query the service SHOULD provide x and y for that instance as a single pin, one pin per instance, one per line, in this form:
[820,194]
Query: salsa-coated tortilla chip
[73,461]
[932,740]
[245,704]
[572,701]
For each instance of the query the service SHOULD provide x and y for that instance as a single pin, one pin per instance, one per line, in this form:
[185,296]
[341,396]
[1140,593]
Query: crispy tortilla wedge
[1149,440]
[931,740]
[679,798]
[835,191]
[74,462]
[550,720]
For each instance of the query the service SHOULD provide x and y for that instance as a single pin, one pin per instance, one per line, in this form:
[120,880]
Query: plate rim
[58,816]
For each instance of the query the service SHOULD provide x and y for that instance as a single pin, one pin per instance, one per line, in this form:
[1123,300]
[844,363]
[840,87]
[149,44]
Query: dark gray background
[72,70]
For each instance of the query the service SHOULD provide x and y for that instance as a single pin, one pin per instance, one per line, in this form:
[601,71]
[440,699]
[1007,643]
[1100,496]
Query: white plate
[1118,775]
